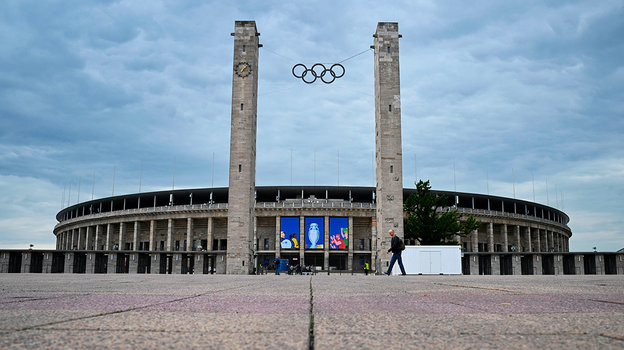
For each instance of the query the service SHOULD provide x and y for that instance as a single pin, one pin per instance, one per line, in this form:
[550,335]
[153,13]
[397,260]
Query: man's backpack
[401,244]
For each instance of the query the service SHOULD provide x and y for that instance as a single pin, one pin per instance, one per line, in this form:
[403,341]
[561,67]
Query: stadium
[192,223]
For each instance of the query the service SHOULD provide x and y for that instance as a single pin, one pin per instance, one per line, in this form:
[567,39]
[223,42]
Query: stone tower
[389,192]
[243,149]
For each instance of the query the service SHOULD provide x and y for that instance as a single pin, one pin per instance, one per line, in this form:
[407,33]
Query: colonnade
[129,236]
[516,237]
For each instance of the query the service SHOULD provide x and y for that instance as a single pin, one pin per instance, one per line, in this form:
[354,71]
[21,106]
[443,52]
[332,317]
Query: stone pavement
[280,312]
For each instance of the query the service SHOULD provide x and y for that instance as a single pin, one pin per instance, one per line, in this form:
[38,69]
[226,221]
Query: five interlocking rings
[318,70]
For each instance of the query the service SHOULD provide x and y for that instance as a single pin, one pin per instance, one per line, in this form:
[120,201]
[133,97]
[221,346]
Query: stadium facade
[177,230]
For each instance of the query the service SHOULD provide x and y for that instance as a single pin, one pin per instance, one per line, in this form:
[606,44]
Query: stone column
[135,239]
[151,235]
[600,264]
[555,244]
[112,263]
[495,263]
[122,238]
[169,242]
[189,232]
[69,262]
[389,187]
[154,263]
[516,265]
[373,243]
[505,239]
[209,233]
[350,257]
[537,238]
[255,243]
[530,245]
[326,242]
[475,242]
[546,241]
[25,257]
[108,235]
[302,241]
[558,259]
[490,233]
[278,236]
[518,241]
[474,264]
[88,238]
[579,264]
[537,264]
[79,239]
[133,262]
[73,239]
[96,241]
[90,268]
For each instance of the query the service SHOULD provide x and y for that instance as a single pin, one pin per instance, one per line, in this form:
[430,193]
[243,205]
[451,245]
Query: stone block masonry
[243,149]
[389,187]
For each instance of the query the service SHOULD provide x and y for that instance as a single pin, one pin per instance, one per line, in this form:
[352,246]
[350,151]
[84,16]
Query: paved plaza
[298,312]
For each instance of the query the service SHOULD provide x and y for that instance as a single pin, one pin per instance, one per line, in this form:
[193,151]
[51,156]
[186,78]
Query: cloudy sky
[513,95]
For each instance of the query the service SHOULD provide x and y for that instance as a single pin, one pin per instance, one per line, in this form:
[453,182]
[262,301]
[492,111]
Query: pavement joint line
[612,336]
[126,310]
[478,287]
[41,298]
[311,324]
[606,301]
[141,331]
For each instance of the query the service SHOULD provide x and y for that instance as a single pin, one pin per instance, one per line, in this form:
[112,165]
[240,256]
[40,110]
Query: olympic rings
[318,70]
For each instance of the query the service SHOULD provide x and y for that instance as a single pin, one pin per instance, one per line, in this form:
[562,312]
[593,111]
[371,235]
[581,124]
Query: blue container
[283,266]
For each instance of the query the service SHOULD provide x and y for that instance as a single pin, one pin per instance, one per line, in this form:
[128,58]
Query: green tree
[428,226]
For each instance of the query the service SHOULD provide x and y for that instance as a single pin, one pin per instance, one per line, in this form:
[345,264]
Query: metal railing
[322,204]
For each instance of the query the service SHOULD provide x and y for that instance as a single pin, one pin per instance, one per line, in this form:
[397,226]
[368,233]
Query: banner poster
[338,233]
[289,232]
[314,228]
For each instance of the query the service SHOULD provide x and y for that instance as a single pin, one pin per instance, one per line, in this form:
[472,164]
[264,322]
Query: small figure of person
[366,268]
[276,261]
[395,248]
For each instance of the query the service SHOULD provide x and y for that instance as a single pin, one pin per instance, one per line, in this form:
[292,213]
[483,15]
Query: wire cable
[356,55]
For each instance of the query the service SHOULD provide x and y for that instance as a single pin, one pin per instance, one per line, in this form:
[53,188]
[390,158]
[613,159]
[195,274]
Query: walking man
[277,263]
[396,247]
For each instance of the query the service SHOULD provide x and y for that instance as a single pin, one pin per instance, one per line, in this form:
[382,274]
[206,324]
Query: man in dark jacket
[395,248]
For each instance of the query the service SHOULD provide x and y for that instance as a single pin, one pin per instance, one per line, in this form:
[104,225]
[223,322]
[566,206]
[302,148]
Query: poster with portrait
[338,233]
[289,232]
[314,229]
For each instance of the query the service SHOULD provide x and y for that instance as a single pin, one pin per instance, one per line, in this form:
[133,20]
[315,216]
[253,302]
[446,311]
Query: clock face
[242,69]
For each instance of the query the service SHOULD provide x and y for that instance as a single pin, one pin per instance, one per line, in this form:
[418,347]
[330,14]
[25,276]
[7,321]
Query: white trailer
[430,260]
